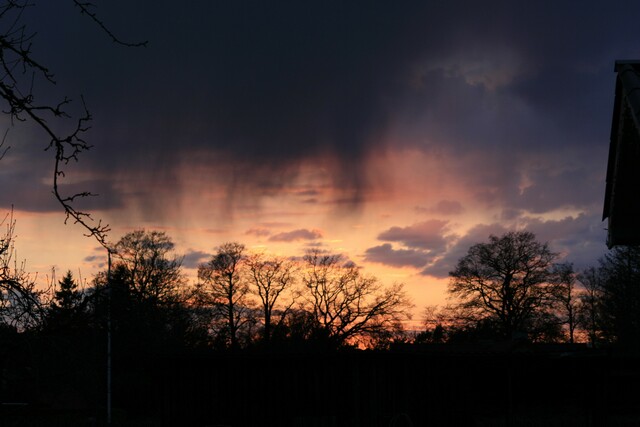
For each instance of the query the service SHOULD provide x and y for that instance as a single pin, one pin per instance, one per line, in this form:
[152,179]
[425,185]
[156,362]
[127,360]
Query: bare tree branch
[85,10]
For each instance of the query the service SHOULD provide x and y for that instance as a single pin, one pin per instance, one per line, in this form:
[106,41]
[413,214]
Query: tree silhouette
[271,276]
[225,291]
[591,312]
[619,275]
[144,296]
[347,306]
[153,275]
[505,281]
[67,309]
[67,297]
[567,296]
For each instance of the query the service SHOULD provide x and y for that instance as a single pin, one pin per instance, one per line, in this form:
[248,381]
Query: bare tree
[567,296]
[505,281]
[153,274]
[618,277]
[591,310]
[434,321]
[20,301]
[222,287]
[347,306]
[271,276]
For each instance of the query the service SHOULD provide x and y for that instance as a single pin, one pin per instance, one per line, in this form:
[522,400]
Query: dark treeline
[513,289]
[254,321]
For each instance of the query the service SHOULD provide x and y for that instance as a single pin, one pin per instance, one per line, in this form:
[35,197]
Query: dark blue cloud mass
[265,86]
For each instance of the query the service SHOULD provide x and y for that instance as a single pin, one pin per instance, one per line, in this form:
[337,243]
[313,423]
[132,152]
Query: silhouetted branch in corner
[65,131]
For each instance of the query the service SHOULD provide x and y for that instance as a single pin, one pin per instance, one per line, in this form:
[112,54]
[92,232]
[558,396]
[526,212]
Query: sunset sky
[397,133]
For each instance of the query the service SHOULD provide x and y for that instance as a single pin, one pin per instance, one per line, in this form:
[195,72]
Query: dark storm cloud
[27,185]
[292,236]
[556,189]
[26,194]
[264,85]
[252,89]
[580,239]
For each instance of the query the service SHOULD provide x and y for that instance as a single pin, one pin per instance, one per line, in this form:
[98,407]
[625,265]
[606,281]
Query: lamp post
[109,251]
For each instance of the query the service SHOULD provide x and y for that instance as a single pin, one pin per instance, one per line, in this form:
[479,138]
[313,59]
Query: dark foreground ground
[487,385]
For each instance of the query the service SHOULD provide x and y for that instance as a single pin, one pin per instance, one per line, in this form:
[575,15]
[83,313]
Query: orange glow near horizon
[403,190]
[306,204]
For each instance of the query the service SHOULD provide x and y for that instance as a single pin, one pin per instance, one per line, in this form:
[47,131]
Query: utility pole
[108,336]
